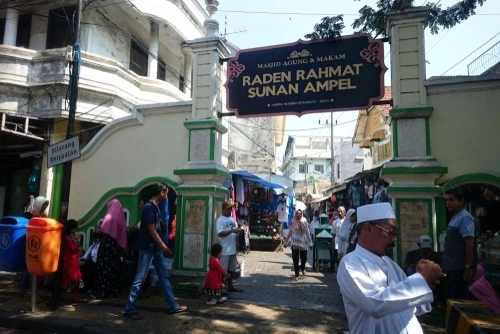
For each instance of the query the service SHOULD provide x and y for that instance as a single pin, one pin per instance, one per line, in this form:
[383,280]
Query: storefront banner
[306,77]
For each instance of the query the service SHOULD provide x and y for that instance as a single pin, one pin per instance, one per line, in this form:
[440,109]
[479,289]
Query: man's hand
[166,250]
[340,256]
[430,271]
[468,275]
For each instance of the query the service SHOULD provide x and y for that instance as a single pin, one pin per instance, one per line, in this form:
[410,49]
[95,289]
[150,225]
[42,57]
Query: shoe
[212,302]
[235,290]
[222,299]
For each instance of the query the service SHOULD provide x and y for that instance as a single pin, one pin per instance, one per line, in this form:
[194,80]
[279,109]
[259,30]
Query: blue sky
[258,23]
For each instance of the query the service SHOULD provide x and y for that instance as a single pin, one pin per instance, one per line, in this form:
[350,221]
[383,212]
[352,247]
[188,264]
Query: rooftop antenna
[234,32]
[225,25]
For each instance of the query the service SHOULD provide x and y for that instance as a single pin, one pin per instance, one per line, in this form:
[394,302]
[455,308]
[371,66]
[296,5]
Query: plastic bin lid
[47,223]
[15,222]
[324,234]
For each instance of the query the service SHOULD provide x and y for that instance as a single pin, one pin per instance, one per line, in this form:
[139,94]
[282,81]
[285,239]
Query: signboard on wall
[306,77]
[63,151]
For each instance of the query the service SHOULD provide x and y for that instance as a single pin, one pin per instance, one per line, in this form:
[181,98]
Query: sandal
[296,278]
[180,309]
[304,272]
[81,300]
[133,316]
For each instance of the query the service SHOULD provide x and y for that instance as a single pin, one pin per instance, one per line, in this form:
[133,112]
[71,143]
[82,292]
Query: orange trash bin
[43,242]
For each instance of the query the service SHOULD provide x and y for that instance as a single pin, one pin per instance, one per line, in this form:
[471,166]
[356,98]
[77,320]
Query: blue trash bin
[13,243]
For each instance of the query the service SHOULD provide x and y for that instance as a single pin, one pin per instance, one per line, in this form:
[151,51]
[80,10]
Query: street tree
[372,20]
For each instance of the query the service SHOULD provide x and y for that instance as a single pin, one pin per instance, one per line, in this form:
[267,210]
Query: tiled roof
[385,108]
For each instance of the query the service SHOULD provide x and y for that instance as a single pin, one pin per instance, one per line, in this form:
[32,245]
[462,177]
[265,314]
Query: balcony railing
[44,76]
[486,61]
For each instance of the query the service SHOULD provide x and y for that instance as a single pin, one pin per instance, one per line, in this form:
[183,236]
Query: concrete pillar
[413,170]
[202,191]
[11,20]
[211,25]
[39,25]
[188,68]
[154,34]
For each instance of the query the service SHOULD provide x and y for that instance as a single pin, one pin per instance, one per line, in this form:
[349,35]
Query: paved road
[268,281]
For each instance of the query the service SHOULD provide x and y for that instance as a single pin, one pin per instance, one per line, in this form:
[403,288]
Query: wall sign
[306,77]
[63,151]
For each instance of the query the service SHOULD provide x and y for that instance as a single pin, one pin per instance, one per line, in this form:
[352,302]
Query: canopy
[278,189]
[300,205]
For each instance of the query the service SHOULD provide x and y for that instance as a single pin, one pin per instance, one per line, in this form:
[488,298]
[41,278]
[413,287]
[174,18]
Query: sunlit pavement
[270,303]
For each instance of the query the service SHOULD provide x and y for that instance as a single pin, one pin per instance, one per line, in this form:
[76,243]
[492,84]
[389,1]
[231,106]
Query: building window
[181,83]
[161,74]
[58,34]
[23,31]
[338,171]
[138,59]
[318,168]
[2,29]
[302,168]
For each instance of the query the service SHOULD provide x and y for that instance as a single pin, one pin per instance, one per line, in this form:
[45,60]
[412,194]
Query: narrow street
[270,303]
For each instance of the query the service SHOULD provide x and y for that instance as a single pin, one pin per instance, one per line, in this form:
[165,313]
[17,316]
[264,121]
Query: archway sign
[306,77]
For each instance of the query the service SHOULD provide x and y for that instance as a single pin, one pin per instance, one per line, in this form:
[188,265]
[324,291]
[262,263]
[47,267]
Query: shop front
[258,204]
[22,143]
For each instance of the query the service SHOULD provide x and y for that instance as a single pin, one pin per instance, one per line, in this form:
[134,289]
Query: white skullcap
[373,212]
[425,241]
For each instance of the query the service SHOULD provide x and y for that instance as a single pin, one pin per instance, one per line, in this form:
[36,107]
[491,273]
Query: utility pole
[67,166]
[332,152]
[305,171]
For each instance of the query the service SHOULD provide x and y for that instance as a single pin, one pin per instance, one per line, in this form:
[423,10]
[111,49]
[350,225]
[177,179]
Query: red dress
[213,281]
[71,269]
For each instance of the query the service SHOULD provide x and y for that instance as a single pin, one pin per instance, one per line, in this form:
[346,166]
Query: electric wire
[310,14]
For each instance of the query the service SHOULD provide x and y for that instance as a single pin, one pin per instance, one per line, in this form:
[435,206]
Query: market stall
[258,202]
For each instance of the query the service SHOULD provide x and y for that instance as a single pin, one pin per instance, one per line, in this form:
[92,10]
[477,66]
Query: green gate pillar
[201,192]
[412,171]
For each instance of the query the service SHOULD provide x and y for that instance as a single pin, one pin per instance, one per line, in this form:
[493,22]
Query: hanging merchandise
[371,190]
[282,209]
[34,181]
[356,195]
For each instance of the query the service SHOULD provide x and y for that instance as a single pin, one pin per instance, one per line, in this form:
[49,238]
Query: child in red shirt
[213,282]
[72,277]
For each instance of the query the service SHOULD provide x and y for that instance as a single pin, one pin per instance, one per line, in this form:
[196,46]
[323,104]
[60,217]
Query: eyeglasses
[390,233]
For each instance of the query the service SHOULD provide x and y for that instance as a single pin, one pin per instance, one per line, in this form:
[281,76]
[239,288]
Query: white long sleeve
[378,297]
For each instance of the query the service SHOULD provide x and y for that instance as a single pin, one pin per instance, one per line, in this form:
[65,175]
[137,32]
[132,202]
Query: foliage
[330,27]
[372,20]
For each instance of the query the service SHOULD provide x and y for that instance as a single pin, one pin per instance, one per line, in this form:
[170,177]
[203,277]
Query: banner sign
[306,77]
[63,151]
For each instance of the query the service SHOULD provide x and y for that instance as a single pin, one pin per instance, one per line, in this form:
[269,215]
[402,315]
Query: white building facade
[307,160]
[132,53]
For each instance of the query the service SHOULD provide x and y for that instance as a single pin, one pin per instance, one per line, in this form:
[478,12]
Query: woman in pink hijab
[109,259]
[483,291]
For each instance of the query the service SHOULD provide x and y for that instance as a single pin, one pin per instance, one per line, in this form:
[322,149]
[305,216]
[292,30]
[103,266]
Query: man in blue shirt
[151,250]
[458,259]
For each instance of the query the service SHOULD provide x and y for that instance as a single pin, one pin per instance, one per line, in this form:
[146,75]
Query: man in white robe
[378,297]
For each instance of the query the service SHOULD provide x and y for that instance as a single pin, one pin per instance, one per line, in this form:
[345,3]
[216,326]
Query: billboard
[306,77]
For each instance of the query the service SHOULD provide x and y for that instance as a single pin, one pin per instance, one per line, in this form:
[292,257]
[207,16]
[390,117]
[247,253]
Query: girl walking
[72,277]
[213,282]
